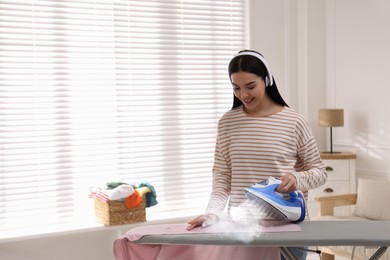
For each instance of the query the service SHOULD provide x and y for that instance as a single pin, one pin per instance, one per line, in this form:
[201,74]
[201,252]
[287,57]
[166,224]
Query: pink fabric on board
[222,227]
[125,249]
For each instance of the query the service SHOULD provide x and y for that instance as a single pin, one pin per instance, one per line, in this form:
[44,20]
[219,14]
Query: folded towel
[99,194]
[134,200]
[113,184]
[150,197]
[120,192]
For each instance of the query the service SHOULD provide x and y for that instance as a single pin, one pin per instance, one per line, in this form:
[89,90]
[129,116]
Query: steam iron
[286,207]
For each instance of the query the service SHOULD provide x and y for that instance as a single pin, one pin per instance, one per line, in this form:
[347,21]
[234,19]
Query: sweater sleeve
[311,172]
[221,180]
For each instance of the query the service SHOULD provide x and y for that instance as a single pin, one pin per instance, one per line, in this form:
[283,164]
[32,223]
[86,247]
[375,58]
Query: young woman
[259,137]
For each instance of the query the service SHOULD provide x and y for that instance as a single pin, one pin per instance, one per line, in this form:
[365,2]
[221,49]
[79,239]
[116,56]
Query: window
[96,90]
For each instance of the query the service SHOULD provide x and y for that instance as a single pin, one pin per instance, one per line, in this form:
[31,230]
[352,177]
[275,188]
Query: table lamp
[331,118]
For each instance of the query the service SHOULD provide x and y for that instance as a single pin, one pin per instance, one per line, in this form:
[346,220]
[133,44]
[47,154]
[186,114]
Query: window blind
[94,91]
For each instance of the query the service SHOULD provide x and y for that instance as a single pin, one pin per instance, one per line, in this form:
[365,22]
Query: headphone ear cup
[267,81]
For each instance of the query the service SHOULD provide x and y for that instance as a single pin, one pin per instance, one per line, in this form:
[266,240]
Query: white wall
[358,80]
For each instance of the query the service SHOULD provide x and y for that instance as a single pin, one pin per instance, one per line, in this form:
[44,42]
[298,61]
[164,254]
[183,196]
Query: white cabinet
[341,169]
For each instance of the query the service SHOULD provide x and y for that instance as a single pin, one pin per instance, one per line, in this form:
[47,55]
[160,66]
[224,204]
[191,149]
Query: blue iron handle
[273,187]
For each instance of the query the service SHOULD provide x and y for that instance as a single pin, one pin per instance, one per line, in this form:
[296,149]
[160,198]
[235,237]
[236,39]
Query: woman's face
[250,89]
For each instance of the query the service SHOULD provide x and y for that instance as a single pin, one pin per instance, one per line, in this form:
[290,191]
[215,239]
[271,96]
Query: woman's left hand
[289,184]
[203,220]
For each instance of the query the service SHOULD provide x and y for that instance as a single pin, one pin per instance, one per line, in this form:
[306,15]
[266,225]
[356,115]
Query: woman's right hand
[202,220]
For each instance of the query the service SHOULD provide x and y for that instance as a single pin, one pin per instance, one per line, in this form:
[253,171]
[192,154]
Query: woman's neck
[267,109]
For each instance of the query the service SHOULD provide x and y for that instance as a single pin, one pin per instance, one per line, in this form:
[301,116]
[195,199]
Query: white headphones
[268,79]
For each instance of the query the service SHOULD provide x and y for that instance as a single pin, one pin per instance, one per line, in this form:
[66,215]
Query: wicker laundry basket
[115,212]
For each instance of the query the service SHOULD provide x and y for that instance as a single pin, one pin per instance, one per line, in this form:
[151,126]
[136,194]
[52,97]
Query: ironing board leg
[288,254]
[378,253]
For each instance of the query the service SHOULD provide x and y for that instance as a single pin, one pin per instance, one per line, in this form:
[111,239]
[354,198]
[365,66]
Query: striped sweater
[250,149]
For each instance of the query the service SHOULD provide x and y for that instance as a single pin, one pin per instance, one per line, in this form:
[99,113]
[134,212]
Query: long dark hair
[252,64]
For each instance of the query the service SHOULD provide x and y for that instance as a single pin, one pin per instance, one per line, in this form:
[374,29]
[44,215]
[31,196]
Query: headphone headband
[269,78]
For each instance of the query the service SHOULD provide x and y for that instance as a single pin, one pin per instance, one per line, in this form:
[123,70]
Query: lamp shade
[331,117]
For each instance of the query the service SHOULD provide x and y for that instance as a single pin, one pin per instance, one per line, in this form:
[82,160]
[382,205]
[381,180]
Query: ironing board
[313,233]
